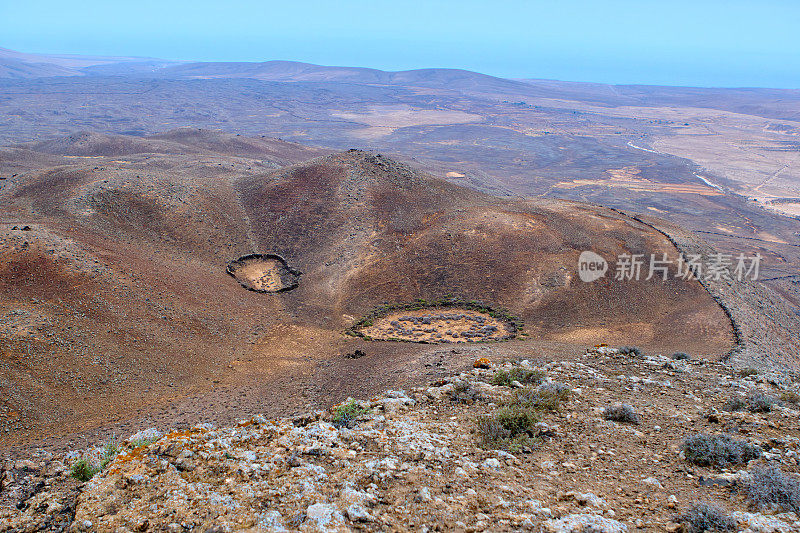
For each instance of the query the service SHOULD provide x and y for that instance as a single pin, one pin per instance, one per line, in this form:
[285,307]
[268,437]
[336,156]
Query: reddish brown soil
[132,319]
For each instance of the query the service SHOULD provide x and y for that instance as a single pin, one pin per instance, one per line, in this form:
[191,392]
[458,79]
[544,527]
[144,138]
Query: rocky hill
[614,441]
[117,310]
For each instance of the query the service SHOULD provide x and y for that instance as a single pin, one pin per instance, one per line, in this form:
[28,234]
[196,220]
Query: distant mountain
[14,68]
[15,64]
[35,65]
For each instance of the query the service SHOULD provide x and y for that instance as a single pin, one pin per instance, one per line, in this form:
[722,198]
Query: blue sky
[670,42]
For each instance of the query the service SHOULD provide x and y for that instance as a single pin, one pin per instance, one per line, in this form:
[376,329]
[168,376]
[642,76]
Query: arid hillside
[116,308]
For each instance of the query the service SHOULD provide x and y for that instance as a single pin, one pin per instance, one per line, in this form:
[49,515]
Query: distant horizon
[529,79]
[711,43]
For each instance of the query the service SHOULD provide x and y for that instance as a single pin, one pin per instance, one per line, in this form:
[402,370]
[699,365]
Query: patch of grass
[109,453]
[83,470]
[790,397]
[704,517]
[546,397]
[621,413]
[464,392]
[771,486]
[630,350]
[524,376]
[345,415]
[681,356]
[143,441]
[747,372]
[510,427]
[718,450]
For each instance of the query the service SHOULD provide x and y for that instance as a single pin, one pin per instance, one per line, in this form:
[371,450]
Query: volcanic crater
[264,273]
[437,323]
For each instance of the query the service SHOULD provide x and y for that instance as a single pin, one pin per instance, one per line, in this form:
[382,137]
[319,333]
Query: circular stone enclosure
[434,325]
[264,273]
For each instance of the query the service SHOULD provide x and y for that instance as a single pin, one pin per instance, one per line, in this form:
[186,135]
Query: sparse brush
[621,413]
[758,402]
[511,427]
[718,450]
[546,397]
[464,392]
[83,470]
[735,403]
[630,350]
[524,376]
[345,415]
[747,372]
[681,356]
[704,517]
[769,487]
[790,397]
[755,402]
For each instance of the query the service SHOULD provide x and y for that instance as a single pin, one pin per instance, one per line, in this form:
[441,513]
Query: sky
[730,43]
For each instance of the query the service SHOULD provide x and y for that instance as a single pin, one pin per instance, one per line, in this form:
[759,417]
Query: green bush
[511,427]
[630,350]
[747,372]
[681,356]
[718,450]
[345,415]
[82,470]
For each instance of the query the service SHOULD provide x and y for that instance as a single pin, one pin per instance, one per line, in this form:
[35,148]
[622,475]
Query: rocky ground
[595,445]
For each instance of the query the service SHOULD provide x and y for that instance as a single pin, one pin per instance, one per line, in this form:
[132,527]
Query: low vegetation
[84,468]
[514,323]
[768,487]
[755,402]
[511,427]
[790,397]
[681,356]
[464,392]
[345,415]
[718,450]
[143,441]
[705,517]
[523,376]
[621,413]
[630,350]
[546,397]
